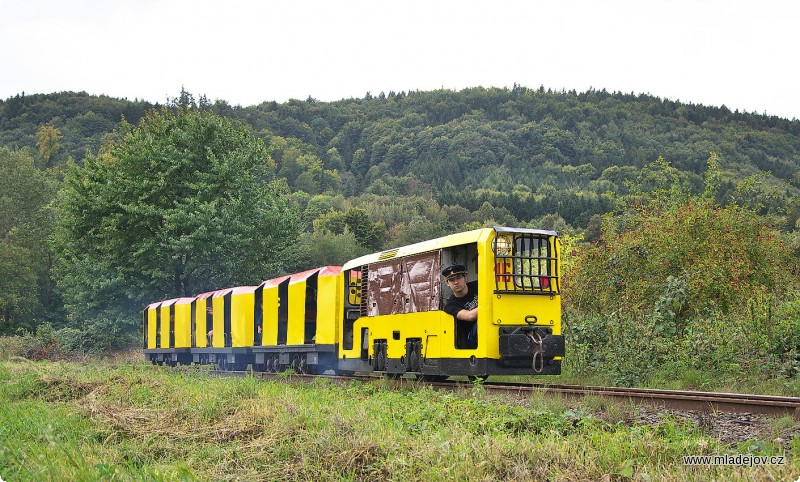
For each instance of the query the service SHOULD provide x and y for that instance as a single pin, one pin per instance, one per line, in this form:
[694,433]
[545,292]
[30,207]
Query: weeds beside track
[64,421]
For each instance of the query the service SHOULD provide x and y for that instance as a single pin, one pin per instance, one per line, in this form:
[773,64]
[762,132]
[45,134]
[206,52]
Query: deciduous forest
[679,222]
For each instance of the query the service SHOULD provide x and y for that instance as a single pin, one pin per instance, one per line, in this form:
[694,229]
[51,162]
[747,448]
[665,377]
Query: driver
[462,304]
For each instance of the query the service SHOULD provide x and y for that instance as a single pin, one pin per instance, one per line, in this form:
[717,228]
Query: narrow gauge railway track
[669,399]
[674,399]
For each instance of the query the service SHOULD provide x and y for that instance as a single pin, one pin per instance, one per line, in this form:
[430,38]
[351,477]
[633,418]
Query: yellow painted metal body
[315,306]
[287,300]
[330,300]
[167,312]
[297,305]
[218,324]
[511,308]
[201,327]
[242,319]
[271,305]
[152,324]
[183,323]
[436,328]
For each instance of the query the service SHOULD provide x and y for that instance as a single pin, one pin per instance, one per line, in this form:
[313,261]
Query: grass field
[126,420]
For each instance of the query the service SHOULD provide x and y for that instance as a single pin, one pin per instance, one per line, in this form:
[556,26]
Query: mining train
[381,313]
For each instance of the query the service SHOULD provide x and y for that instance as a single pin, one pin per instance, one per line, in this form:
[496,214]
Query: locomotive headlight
[502,246]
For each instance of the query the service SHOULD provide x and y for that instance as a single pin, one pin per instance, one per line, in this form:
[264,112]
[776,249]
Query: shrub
[32,346]
[691,288]
[48,343]
[689,261]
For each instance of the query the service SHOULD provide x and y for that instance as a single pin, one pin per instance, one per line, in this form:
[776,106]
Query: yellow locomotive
[383,313]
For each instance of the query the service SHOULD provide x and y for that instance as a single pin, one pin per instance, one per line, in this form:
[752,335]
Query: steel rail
[673,399]
[669,399]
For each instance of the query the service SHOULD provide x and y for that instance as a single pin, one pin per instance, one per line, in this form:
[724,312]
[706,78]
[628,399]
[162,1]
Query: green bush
[32,346]
[48,343]
[689,288]
[693,259]
[783,343]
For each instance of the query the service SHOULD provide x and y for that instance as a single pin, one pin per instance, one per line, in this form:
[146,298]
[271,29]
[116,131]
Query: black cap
[453,271]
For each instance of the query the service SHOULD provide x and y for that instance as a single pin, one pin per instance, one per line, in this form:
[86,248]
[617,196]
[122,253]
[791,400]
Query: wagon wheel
[299,364]
[274,364]
[302,366]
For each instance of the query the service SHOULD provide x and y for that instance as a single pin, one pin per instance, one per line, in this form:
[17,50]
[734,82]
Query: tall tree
[25,224]
[182,203]
[48,142]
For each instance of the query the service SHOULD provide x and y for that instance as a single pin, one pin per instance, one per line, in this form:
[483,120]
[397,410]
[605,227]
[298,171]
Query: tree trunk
[178,280]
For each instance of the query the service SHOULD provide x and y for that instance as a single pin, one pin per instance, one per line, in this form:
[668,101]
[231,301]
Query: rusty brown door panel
[404,285]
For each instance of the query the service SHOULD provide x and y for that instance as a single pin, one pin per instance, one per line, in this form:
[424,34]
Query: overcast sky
[743,54]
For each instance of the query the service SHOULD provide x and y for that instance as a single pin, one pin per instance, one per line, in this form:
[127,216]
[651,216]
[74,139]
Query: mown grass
[131,421]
